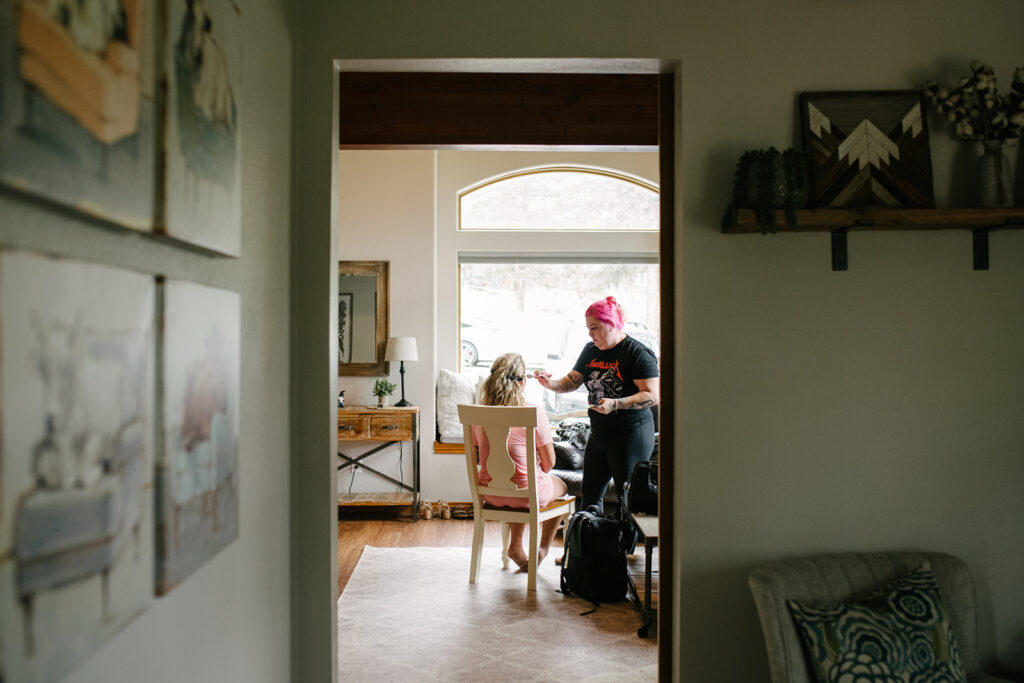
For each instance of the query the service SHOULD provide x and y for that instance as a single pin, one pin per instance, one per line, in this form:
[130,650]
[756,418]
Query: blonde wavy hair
[503,387]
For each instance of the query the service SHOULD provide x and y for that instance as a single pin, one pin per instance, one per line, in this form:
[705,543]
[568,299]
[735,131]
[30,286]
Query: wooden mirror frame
[382,270]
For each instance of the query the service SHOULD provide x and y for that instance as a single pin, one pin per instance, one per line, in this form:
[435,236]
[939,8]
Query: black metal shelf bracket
[839,253]
[980,240]
[840,259]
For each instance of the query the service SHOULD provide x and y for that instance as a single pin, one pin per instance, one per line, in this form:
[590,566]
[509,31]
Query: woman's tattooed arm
[570,382]
[645,398]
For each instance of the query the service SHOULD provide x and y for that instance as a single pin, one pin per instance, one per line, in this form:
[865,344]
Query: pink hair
[608,311]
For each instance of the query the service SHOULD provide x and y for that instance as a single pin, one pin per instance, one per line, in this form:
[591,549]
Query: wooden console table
[389,427]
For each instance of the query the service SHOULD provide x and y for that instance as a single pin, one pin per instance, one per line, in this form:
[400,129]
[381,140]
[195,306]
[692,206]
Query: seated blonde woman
[505,387]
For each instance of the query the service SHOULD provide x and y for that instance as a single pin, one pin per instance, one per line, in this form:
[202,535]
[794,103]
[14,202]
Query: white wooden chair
[496,422]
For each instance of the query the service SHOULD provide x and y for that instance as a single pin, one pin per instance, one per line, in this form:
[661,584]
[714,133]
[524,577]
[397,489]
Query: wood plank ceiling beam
[384,110]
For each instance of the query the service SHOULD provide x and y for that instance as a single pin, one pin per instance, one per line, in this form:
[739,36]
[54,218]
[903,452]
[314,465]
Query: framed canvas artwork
[78,108]
[867,148]
[203,68]
[76,456]
[197,469]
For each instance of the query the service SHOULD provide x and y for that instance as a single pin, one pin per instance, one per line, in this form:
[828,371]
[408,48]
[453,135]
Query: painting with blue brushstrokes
[197,468]
[77,349]
[203,70]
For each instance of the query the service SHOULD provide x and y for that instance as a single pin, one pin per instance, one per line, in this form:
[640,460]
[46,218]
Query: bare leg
[515,544]
[549,527]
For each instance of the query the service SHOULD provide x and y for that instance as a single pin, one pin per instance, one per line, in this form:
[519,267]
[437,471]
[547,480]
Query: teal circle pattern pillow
[900,634]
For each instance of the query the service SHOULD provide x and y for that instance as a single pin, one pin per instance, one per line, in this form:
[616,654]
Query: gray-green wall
[873,409]
[229,621]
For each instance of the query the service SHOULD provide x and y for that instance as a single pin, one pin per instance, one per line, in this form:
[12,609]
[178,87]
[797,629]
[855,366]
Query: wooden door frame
[668,123]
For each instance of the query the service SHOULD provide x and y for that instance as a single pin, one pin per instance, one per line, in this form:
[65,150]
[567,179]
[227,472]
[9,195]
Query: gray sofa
[831,578]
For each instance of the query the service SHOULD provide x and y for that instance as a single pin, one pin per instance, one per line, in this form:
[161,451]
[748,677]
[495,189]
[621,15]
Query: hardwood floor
[357,529]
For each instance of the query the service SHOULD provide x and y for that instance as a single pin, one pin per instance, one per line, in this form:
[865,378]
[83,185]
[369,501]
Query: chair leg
[505,533]
[478,547]
[531,580]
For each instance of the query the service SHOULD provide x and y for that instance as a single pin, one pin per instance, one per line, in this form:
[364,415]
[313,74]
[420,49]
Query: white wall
[230,620]
[872,409]
[386,213]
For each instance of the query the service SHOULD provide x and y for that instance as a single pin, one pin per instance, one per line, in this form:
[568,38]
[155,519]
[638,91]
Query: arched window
[560,198]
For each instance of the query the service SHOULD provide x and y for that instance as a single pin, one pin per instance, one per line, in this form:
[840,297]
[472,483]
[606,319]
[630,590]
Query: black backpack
[594,561]
[642,489]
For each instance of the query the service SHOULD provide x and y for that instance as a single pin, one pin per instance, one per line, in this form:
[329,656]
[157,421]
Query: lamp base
[403,404]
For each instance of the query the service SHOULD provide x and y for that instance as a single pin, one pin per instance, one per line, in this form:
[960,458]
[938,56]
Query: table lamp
[401,349]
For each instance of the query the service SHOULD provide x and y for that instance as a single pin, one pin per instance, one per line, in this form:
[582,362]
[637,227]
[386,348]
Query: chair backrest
[827,579]
[496,422]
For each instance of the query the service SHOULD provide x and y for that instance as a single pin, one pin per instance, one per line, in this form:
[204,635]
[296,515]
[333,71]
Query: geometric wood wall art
[78,108]
[76,459]
[867,148]
[203,68]
[197,468]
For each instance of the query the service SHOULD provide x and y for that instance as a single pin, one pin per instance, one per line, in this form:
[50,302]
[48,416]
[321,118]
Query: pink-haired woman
[621,375]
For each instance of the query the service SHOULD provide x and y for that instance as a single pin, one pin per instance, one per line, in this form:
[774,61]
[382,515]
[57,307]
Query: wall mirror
[363,317]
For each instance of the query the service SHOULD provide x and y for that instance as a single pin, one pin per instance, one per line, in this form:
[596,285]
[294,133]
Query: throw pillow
[900,633]
[452,389]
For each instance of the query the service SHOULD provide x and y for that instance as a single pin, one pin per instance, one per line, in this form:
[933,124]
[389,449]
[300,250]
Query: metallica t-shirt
[610,374]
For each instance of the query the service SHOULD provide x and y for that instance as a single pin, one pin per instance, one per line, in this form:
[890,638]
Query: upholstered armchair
[823,580]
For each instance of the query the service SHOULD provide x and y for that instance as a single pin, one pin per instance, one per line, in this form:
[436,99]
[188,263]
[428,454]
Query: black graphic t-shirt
[610,374]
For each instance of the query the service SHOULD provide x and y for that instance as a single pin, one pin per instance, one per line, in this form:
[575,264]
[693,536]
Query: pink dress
[517,449]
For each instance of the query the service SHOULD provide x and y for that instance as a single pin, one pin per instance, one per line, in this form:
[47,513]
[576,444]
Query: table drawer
[391,427]
[356,427]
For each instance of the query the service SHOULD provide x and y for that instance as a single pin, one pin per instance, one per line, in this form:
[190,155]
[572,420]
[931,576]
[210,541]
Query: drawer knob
[390,427]
[348,427]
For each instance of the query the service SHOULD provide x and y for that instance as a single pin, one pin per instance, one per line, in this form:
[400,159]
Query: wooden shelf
[375,499]
[839,222]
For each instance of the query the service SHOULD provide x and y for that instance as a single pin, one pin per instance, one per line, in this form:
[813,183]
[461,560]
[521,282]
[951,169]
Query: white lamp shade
[401,348]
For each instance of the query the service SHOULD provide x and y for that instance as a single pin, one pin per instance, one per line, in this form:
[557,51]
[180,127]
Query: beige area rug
[410,614]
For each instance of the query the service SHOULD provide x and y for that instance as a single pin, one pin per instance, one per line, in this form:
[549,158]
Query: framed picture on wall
[867,148]
[204,79]
[78,112]
[197,467]
[345,327]
[76,456]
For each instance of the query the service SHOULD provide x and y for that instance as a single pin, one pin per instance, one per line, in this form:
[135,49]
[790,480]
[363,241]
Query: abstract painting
[867,148]
[77,112]
[345,327]
[203,71]
[76,456]
[197,470]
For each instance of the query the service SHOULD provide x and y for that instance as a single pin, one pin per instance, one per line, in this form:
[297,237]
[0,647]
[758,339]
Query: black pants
[613,456]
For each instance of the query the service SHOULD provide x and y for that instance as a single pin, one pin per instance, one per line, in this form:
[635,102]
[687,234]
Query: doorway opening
[390,136]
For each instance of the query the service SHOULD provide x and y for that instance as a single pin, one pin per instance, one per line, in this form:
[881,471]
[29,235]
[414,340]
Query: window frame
[459,169]
[555,168]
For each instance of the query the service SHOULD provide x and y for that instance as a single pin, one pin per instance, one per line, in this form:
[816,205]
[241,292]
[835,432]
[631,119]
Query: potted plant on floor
[381,388]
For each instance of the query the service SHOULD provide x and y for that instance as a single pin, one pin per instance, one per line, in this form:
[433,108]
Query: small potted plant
[767,180]
[381,388]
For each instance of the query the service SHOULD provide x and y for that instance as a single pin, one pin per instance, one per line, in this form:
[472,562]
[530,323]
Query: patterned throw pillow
[899,634]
